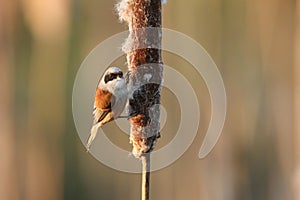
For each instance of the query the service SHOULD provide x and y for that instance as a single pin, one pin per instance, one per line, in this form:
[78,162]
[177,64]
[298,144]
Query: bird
[110,100]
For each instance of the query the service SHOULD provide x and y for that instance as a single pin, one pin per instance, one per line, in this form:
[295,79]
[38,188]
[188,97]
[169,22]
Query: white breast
[120,101]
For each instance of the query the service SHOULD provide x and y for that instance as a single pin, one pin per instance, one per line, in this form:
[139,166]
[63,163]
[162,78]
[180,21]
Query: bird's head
[113,80]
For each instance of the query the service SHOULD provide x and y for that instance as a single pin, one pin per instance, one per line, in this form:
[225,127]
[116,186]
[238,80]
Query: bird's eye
[109,77]
[120,74]
[113,76]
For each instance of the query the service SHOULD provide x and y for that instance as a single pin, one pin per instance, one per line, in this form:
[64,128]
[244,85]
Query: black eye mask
[112,76]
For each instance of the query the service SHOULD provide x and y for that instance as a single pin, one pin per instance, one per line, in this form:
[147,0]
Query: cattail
[145,77]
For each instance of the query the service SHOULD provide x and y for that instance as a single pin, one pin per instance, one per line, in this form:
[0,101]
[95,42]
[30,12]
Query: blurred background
[256,45]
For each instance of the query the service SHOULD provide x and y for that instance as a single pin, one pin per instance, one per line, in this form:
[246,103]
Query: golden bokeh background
[255,44]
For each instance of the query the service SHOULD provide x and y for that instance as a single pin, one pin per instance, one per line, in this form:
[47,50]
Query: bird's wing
[102,109]
[99,115]
[102,106]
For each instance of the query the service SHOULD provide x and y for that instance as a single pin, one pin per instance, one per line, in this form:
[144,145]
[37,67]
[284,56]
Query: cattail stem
[145,176]
[143,49]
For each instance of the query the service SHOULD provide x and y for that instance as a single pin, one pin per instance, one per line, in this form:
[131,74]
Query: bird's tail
[92,136]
